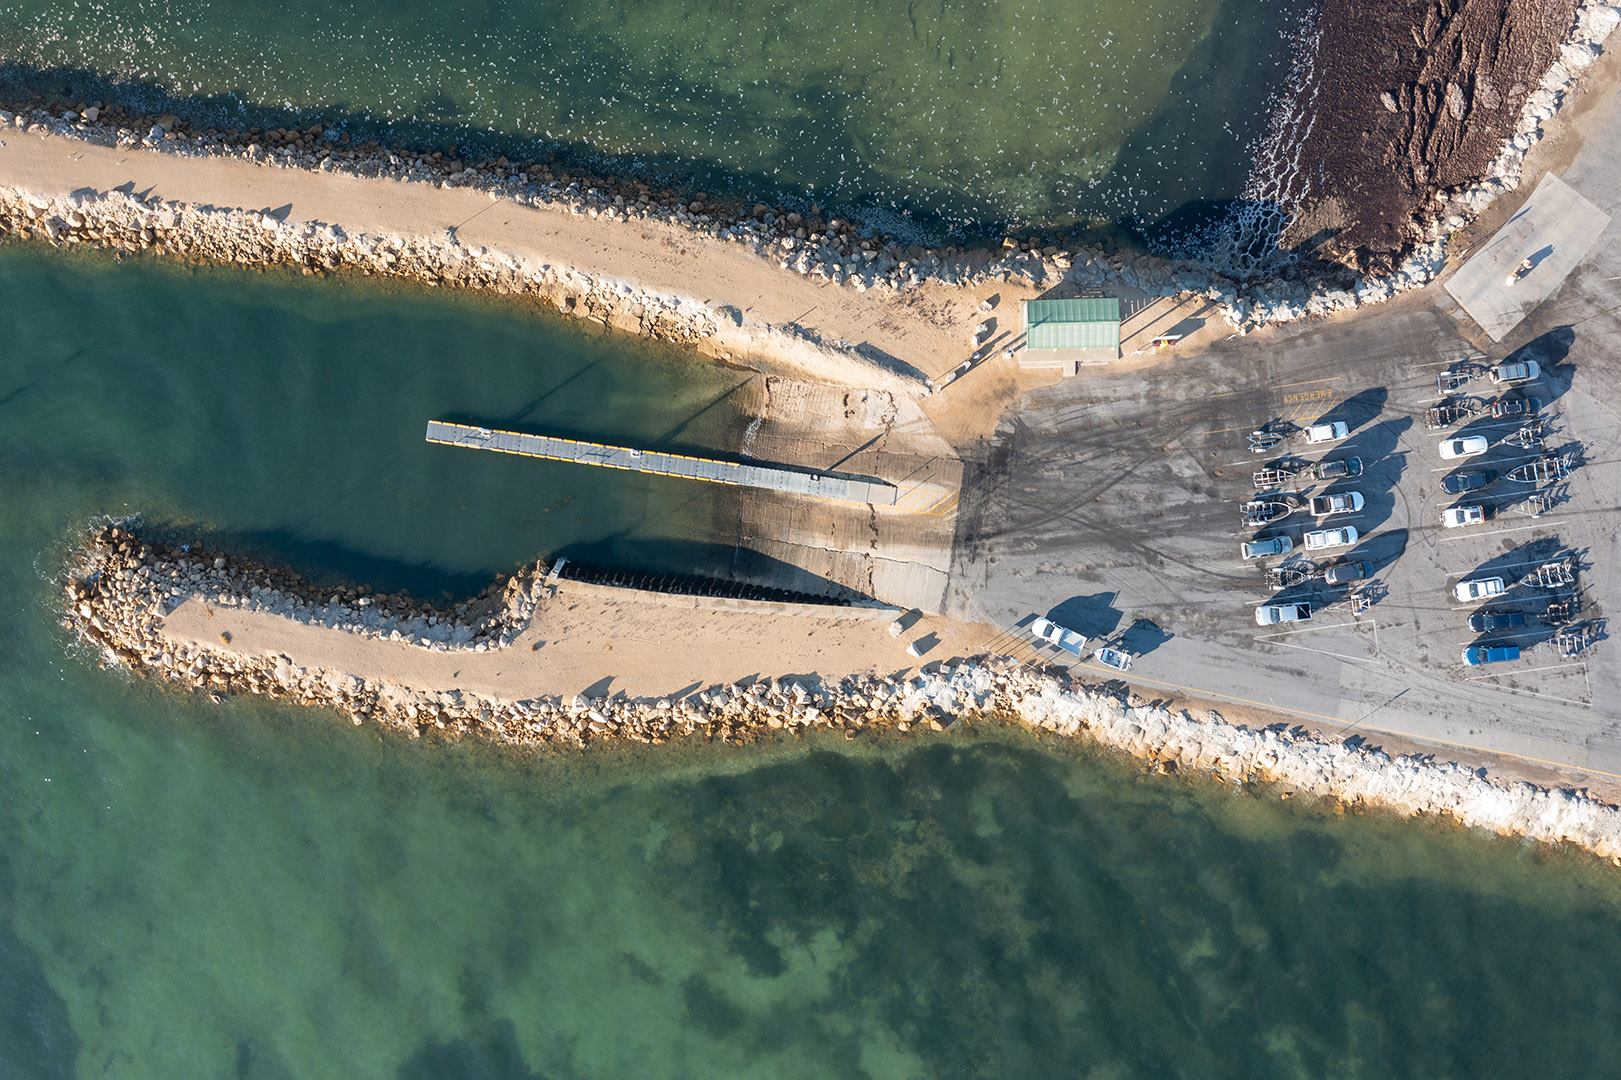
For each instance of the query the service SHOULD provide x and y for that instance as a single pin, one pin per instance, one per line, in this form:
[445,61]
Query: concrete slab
[1554,229]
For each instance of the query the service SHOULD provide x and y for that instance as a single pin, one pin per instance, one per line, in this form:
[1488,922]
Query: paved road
[1112,503]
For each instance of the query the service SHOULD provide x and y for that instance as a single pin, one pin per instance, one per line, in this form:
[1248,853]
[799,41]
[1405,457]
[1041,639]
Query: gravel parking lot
[1112,505]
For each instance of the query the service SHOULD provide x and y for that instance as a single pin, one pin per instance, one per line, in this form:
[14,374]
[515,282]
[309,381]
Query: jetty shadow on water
[330,564]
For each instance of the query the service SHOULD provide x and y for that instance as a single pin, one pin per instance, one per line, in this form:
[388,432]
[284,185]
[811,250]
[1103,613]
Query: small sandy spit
[120,586]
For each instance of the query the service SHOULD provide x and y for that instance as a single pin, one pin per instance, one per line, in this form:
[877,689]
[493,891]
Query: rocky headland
[121,583]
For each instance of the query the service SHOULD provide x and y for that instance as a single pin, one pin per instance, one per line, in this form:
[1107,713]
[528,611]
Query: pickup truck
[1347,502]
[1482,621]
[1508,408]
[1272,614]
[1330,538]
[1479,589]
[1061,636]
[1343,469]
[1458,483]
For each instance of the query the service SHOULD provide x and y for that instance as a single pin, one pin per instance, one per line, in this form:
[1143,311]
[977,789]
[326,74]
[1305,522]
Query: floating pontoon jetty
[839,488]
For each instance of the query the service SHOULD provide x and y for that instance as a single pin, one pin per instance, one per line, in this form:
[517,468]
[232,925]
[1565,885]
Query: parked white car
[1331,432]
[1272,545]
[1454,517]
[1331,538]
[1466,446]
[1272,614]
[1479,589]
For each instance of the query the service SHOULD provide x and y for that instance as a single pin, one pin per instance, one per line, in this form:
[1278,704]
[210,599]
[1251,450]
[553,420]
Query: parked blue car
[1490,654]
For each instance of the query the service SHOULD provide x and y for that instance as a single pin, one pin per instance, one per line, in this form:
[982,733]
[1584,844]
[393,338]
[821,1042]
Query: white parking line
[1503,637]
[1499,465]
[1498,532]
[1497,571]
[1302,630]
[1325,652]
[1526,671]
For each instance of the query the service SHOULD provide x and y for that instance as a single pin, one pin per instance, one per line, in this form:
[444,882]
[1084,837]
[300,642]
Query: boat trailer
[1452,411]
[1551,575]
[1285,577]
[1575,640]
[1264,512]
[1545,469]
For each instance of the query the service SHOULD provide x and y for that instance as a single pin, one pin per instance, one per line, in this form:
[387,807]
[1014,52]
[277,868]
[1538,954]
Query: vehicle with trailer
[1059,636]
[1463,447]
[1345,502]
[1343,469]
[1332,431]
[1274,614]
[1514,372]
[1476,589]
[1458,483]
[1456,517]
[1476,655]
[1320,539]
[1482,622]
[1343,573]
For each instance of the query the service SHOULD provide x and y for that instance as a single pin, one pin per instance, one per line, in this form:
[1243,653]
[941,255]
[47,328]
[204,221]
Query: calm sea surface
[952,111]
[254,890]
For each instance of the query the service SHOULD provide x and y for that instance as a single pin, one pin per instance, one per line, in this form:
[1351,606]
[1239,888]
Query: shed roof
[1090,323]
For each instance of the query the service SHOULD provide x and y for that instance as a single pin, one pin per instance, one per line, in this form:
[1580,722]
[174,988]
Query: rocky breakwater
[1456,141]
[120,584]
[810,242]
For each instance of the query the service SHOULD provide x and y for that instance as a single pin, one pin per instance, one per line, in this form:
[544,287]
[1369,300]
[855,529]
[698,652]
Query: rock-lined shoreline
[816,245]
[119,585]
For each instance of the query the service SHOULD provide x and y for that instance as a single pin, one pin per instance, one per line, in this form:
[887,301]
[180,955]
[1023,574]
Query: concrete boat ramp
[831,486]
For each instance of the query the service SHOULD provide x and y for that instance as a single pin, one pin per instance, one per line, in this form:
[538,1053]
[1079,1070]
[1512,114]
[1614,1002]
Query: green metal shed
[1090,323]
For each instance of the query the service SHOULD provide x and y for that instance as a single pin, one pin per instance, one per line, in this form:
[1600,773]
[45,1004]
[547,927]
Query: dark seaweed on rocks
[1412,97]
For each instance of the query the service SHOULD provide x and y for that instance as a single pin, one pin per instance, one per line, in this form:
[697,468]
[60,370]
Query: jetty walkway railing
[770,477]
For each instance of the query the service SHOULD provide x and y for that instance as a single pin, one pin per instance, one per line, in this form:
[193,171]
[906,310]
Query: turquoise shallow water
[255,890]
[953,111]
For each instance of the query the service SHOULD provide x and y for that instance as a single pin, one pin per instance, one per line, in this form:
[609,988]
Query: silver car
[1261,549]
